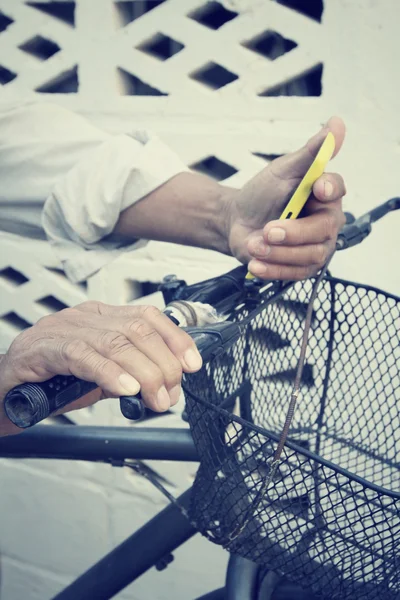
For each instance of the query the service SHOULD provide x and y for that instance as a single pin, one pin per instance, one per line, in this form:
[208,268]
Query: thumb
[297,163]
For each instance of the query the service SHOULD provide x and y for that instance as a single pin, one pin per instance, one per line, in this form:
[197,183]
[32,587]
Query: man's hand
[194,210]
[122,349]
[290,249]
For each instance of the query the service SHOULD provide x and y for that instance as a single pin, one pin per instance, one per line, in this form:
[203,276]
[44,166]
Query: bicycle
[304,500]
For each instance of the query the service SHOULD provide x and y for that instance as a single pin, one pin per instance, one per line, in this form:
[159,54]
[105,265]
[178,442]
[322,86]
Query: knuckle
[173,372]
[150,311]
[67,313]
[60,318]
[89,305]
[329,225]
[113,342]
[43,321]
[140,329]
[20,343]
[184,338]
[320,254]
[279,272]
[312,271]
[73,350]
[151,379]
[305,273]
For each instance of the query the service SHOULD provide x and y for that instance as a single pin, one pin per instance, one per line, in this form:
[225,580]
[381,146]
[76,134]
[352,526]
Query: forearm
[189,209]
[6,427]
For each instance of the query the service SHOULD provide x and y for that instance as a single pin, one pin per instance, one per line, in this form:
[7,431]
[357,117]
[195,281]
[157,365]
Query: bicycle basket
[329,517]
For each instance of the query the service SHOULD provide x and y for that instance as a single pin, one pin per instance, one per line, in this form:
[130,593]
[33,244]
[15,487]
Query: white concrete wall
[56,518]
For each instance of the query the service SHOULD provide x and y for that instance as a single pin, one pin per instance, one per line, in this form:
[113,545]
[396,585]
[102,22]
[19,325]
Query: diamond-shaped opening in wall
[131,10]
[134,290]
[64,83]
[305,84]
[51,304]
[213,76]
[65,11]
[212,15]
[267,157]
[160,46]
[270,44]
[131,85]
[13,277]
[5,21]
[214,167]
[310,8]
[6,76]
[14,321]
[61,276]
[40,47]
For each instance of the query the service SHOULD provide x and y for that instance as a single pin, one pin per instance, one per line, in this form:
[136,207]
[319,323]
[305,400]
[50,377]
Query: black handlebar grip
[29,403]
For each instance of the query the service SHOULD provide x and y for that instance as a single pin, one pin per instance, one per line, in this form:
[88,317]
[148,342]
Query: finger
[145,357]
[145,339]
[283,272]
[329,187]
[316,228]
[296,164]
[337,127]
[310,254]
[46,357]
[177,340]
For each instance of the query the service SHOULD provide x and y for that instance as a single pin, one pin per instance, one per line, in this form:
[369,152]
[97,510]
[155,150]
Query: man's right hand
[122,349]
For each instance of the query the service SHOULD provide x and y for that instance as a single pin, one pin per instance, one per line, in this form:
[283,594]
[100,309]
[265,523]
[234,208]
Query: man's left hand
[290,249]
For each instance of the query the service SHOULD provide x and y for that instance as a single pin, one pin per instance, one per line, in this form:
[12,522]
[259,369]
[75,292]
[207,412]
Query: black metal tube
[155,540]
[215,595]
[241,579]
[100,443]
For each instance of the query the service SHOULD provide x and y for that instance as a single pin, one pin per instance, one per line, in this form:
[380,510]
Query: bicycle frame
[153,543]
[105,444]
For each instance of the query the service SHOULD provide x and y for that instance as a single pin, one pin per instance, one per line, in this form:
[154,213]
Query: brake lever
[355,232]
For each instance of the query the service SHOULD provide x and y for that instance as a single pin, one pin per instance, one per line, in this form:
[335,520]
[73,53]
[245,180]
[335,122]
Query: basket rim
[299,449]
[369,288]
[290,444]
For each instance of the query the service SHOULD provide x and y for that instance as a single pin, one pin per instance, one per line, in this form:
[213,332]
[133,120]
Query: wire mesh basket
[329,517]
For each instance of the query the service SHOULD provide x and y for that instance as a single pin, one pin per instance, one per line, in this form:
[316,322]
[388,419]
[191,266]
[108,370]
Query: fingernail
[130,384]
[328,189]
[257,267]
[276,235]
[163,399]
[259,247]
[175,394]
[192,359]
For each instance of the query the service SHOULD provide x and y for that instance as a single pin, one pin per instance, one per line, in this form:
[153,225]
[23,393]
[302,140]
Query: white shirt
[64,178]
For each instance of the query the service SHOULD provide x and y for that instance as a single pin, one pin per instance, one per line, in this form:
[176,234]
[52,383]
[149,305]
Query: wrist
[224,218]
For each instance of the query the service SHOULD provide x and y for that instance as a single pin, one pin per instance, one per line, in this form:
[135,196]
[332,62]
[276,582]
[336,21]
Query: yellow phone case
[303,191]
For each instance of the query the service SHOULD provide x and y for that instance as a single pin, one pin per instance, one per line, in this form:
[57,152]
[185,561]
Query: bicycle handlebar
[29,403]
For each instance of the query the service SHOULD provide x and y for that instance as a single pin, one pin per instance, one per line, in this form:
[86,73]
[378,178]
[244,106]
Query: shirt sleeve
[66,179]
